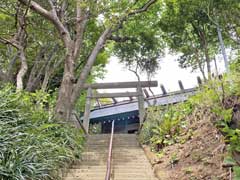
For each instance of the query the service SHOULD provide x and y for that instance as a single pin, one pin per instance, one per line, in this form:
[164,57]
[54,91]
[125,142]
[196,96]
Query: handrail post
[108,172]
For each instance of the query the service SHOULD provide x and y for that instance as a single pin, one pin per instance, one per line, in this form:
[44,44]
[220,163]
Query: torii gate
[117,85]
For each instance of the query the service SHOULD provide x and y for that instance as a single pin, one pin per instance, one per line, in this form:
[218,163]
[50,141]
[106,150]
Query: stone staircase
[129,161]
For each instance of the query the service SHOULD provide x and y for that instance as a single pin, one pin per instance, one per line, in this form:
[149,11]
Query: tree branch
[90,61]
[51,16]
[82,18]
[144,8]
[39,9]
[11,42]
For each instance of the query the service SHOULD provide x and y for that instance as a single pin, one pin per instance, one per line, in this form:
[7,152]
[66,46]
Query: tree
[41,49]
[108,17]
[18,41]
[188,30]
[223,15]
[142,49]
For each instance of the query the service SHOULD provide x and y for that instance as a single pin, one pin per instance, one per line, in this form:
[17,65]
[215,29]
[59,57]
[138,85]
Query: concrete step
[128,160]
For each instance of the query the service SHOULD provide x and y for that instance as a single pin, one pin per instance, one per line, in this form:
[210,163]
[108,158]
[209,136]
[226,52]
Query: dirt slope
[198,157]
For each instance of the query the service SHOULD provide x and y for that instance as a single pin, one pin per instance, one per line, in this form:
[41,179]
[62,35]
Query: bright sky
[168,74]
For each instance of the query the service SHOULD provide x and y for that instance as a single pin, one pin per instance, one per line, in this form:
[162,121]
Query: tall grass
[33,145]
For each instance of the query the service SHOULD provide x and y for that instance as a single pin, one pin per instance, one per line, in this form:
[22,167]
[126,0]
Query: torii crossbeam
[117,85]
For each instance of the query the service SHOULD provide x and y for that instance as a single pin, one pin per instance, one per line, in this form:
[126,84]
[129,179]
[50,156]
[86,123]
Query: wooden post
[87,110]
[163,89]
[140,104]
[180,85]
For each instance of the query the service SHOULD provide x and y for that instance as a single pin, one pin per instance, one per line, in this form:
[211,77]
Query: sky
[168,74]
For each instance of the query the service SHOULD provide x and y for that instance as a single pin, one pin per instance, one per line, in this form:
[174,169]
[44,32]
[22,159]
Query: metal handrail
[108,172]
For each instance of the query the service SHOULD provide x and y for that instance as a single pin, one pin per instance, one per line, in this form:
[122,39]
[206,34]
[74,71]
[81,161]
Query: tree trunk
[200,64]
[222,48]
[64,105]
[23,69]
[202,71]
[90,62]
[69,93]
[206,52]
[208,62]
[36,69]
[46,79]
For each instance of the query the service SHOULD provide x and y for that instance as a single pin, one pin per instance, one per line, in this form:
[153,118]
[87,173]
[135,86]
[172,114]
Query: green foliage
[215,99]
[32,144]
[234,76]
[140,45]
[95,128]
[236,171]
[153,114]
[215,96]
[233,138]
[190,28]
[163,125]
[174,159]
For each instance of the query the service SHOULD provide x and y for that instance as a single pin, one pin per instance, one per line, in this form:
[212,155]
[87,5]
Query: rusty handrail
[108,172]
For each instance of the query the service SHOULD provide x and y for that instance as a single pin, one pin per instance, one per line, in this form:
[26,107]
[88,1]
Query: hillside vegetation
[33,145]
[200,138]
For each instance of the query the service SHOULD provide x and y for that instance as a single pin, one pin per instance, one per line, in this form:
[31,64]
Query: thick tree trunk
[69,93]
[64,105]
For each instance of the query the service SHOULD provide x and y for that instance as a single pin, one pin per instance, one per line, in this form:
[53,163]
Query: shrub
[164,124]
[33,145]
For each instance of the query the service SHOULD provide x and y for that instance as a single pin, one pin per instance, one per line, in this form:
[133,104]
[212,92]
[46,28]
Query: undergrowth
[216,98]
[33,145]
[164,125]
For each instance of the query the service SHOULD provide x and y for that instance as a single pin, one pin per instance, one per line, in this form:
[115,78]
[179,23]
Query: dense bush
[32,144]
